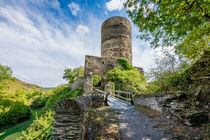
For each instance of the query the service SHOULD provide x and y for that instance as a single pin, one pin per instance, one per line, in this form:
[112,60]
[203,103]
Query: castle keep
[116,42]
[116,38]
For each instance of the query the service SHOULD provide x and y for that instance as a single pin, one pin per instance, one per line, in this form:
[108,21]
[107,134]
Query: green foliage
[72,74]
[13,110]
[152,87]
[126,80]
[60,93]
[166,65]
[37,129]
[41,127]
[96,79]
[15,100]
[125,64]
[165,23]
[184,80]
[5,72]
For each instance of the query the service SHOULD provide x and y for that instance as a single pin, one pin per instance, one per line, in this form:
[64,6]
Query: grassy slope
[14,85]
[10,87]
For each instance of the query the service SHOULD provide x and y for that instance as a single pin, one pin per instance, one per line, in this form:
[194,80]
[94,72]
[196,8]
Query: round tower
[116,38]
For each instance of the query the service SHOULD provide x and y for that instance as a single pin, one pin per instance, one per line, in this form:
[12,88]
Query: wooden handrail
[116,94]
[122,91]
[101,91]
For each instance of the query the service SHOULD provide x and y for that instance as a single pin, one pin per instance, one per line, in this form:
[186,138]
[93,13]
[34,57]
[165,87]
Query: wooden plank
[122,91]
[100,91]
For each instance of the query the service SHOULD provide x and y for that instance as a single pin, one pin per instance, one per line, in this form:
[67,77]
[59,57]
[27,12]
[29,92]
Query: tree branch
[205,14]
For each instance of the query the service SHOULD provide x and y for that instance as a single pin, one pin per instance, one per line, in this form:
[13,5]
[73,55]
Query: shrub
[13,110]
[125,64]
[40,128]
[96,79]
[126,80]
[60,93]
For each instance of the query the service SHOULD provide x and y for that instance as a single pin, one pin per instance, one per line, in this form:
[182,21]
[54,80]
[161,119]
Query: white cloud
[74,8]
[82,28]
[39,49]
[115,5]
[39,52]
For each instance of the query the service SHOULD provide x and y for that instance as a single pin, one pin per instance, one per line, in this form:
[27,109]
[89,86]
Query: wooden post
[106,99]
[132,103]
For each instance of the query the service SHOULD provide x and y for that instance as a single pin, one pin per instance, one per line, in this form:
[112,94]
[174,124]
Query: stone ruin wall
[96,65]
[116,38]
[71,116]
[99,65]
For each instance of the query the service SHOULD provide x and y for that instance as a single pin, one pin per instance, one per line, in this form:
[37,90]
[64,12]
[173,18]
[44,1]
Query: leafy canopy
[166,65]
[184,24]
[72,74]
[5,72]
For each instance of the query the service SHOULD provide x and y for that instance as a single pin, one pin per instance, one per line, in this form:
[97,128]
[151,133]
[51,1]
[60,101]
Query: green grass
[14,132]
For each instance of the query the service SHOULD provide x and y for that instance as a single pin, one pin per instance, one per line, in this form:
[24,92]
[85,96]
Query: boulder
[79,83]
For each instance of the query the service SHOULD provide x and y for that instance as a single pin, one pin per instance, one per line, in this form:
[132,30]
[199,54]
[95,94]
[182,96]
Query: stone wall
[140,69]
[99,65]
[96,65]
[79,83]
[70,119]
[116,38]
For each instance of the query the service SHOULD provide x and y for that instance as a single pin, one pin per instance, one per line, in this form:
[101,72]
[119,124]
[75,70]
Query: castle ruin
[116,42]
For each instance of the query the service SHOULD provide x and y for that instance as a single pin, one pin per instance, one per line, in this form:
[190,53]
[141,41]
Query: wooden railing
[101,92]
[128,96]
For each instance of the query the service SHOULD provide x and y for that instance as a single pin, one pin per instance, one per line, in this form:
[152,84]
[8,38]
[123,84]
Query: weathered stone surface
[116,38]
[79,83]
[140,69]
[96,65]
[88,84]
[71,115]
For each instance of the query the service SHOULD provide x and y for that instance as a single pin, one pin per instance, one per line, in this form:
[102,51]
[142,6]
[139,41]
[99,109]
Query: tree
[72,74]
[166,65]
[5,72]
[183,24]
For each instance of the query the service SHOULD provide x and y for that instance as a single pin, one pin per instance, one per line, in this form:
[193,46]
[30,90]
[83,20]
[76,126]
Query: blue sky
[40,38]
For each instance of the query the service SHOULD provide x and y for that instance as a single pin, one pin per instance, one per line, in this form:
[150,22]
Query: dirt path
[134,125]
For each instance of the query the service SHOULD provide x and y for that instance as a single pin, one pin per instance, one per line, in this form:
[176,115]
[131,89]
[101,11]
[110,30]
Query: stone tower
[116,38]
[116,42]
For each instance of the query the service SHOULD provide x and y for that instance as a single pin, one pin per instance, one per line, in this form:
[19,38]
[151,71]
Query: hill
[17,100]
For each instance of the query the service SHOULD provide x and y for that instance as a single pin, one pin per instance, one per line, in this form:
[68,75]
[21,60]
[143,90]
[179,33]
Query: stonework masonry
[116,42]
[116,38]
[71,116]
